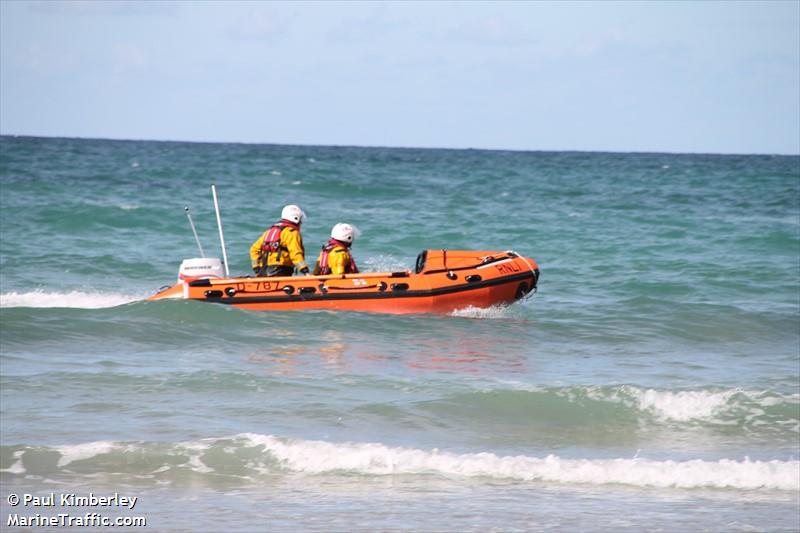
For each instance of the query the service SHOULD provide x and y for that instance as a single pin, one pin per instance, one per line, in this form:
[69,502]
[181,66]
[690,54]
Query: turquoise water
[652,384]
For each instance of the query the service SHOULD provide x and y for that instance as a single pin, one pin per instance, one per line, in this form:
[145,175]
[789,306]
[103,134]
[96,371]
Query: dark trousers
[276,270]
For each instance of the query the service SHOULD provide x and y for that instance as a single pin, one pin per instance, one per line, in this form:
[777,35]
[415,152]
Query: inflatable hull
[443,281]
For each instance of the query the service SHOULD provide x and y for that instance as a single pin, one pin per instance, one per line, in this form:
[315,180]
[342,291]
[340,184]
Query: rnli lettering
[508,268]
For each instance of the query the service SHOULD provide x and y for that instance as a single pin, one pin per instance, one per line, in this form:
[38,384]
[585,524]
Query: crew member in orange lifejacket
[280,249]
[335,257]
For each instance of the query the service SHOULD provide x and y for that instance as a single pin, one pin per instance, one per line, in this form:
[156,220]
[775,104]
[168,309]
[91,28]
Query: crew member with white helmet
[335,257]
[280,249]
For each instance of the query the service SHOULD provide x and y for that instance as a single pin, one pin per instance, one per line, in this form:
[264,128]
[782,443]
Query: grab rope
[533,271]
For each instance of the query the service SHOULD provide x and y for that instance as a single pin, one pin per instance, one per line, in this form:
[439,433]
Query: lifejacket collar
[334,242]
[288,223]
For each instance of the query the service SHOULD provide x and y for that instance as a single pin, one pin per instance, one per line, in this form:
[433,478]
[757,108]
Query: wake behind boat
[442,281]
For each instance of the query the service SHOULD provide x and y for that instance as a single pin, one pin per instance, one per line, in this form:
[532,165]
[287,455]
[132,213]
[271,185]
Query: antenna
[196,238]
[219,225]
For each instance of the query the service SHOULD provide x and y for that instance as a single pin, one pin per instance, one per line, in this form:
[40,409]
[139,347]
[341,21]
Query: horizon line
[377,146]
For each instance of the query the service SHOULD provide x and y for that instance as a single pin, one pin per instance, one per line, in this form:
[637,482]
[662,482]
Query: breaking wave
[249,455]
[72,299]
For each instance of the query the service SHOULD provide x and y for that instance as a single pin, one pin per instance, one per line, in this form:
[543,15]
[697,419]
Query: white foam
[682,406]
[317,457]
[197,465]
[491,313]
[73,299]
[78,452]
[726,407]
[195,450]
[376,459]
[382,263]
[691,405]
[17,467]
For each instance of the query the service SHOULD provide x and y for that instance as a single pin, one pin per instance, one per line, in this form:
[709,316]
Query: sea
[652,384]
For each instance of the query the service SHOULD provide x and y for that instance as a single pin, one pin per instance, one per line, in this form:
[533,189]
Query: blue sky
[720,77]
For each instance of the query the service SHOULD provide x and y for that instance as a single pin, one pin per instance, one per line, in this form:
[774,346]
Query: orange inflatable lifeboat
[442,281]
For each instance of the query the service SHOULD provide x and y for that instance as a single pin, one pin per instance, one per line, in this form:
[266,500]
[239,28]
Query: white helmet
[345,232]
[293,213]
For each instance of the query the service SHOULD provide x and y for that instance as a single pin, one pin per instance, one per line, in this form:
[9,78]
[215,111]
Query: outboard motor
[201,268]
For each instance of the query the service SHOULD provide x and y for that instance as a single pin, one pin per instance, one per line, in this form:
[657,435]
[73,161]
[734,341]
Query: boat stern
[167,292]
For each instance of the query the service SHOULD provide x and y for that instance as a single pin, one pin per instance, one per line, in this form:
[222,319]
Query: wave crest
[72,299]
[249,455]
